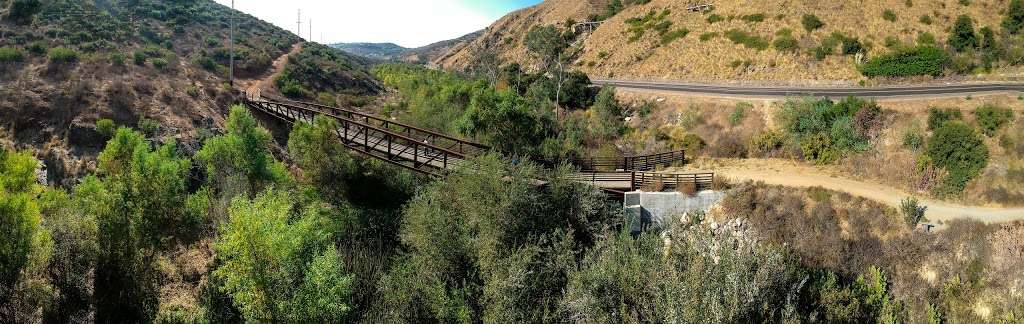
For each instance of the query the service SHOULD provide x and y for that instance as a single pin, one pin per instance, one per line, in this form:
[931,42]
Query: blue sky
[410,23]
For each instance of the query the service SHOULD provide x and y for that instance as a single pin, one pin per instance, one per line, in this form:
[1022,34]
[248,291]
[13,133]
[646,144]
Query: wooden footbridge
[433,153]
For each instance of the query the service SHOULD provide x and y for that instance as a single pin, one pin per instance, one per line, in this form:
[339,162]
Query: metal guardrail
[627,163]
[434,138]
[376,141]
[634,180]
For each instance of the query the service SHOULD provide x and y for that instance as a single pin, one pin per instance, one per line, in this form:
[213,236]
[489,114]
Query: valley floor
[796,174]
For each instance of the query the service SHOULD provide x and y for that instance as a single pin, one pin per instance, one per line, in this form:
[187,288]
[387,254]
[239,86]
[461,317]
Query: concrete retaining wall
[654,209]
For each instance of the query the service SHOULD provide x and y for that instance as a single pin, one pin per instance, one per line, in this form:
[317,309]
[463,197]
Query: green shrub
[937,116]
[739,113]
[149,127]
[37,47]
[926,19]
[738,63]
[1013,22]
[766,143]
[708,36]
[959,149]
[962,37]
[821,52]
[670,37]
[926,39]
[11,54]
[714,18]
[754,18]
[811,22]
[106,127]
[852,46]
[889,15]
[63,55]
[160,63]
[117,59]
[893,43]
[913,212]
[750,41]
[920,60]
[139,58]
[786,44]
[23,11]
[990,118]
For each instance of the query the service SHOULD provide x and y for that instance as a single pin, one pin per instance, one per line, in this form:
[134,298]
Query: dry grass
[688,58]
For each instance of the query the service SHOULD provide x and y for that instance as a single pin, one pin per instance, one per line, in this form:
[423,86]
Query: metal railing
[628,163]
[634,180]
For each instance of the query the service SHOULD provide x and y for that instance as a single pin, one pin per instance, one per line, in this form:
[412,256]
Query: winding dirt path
[794,174]
[254,87]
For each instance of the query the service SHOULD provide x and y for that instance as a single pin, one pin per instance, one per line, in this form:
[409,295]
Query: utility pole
[231,43]
[310,29]
[298,24]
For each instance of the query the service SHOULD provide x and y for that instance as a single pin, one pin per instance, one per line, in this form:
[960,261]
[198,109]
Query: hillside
[764,41]
[163,64]
[419,55]
[382,51]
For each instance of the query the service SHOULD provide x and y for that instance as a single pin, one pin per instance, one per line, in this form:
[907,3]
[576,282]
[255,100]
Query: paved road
[834,92]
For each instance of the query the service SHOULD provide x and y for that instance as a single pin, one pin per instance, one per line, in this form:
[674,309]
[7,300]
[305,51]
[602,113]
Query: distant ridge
[394,52]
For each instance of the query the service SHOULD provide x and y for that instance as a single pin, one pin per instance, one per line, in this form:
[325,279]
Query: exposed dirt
[254,87]
[797,174]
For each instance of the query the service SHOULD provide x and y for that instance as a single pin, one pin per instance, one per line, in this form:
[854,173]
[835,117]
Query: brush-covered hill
[162,65]
[383,51]
[790,41]
[394,52]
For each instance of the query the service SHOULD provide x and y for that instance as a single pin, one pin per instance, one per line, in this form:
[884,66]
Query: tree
[548,45]
[324,161]
[506,121]
[26,246]
[22,11]
[811,22]
[279,263]
[607,115]
[1014,20]
[962,37]
[959,149]
[240,161]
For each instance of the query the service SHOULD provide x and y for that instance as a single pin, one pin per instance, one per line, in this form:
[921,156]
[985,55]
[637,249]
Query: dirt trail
[253,87]
[794,174]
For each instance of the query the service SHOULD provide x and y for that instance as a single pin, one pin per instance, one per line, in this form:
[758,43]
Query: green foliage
[958,149]
[546,43]
[1013,22]
[913,138]
[607,115]
[11,55]
[714,18]
[324,161]
[315,69]
[811,22]
[913,212]
[672,36]
[750,41]
[962,37]
[852,46]
[290,88]
[19,220]
[139,58]
[926,39]
[926,19]
[160,63]
[739,113]
[23,11]
[826,130]
[753,18]
[708,36]
[920,60]
[240,161]
[63,55]
[279,264]
[653,20]
[106,127]
[117,59]
[889,15]
[486,244]
[786,44]
[990,118]
[938,116]
[149,127]
[504,120]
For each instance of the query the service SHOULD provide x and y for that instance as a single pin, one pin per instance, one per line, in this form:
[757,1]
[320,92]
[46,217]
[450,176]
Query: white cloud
[410,23]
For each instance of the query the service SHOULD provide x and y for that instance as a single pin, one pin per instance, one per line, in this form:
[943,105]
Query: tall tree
[25,247]
[548,45]
[963,37]
[1014,20]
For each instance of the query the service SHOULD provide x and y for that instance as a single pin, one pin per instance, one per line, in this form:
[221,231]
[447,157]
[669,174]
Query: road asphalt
[833,92]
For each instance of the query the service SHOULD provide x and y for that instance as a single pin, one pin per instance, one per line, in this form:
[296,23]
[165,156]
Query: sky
[409,23]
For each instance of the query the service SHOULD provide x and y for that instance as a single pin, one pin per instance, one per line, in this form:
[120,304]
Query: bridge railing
[434,138]
[627,163]
[635,180]
[368,139]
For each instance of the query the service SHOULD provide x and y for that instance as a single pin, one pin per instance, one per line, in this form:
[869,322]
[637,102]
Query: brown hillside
[609,52]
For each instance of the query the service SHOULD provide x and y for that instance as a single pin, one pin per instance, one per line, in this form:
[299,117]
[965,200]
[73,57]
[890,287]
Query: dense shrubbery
[811,22]
[319,68]
[63,55]
[827,130]
[921,60]
[959,149]
[939,116]
[748,40]
[990,118]
[11,55]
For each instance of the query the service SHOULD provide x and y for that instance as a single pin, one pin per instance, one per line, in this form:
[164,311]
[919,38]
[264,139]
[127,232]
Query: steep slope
[73,62]
[393,52]
[383,51]
[737,39]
